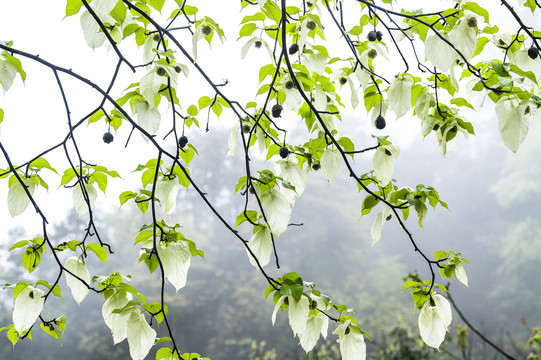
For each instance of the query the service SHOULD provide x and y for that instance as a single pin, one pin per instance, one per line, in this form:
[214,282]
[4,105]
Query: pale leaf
[512,121]
[315,325]
[330,163]
[116,301]
[78,290]
[434,320]
[18,200]
[140,335]
[460,273]
[278,211]
[94,37]
[298,314]
[26,308]
[439,53]
[167,192]
[148,118]
[384,164]
[7,74]
[175,258]
[261,245]
[400,95]
[79,201]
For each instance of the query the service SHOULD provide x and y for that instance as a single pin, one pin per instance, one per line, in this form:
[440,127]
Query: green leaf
[247,30]
[99,250]
[73,7]
[19,244]
[476,8]
[244,216]
[156,4]
[119,12]
[50,330]
[461,102]
[368,204]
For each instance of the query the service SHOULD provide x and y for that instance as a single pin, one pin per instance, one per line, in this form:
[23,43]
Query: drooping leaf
[512,121]
[79,201]
[27,307]
[277,210]
[78,290]
[261,245]
[140,335]
[176,262]
[434,321]
[330,163]
[18,199]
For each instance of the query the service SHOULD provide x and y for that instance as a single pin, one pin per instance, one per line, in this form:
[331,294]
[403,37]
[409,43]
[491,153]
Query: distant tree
[419,63]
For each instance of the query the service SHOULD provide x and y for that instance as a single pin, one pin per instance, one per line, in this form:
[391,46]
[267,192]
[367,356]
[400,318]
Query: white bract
[439,53]
[78,290]
[115,321]
[290,171]
[378,224]
[233,139]
[460,273]
[464,37]
[513,121]
[261,245]
[79,199]
[400,95]
[18,199]
[94,37]
[383,162]
[7,74]
[140,335]
[352,346]
[297,312]
[434,320]
[278,211]
[166,192]
[26,308]
[316,325]
[330,163]
[175,257]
